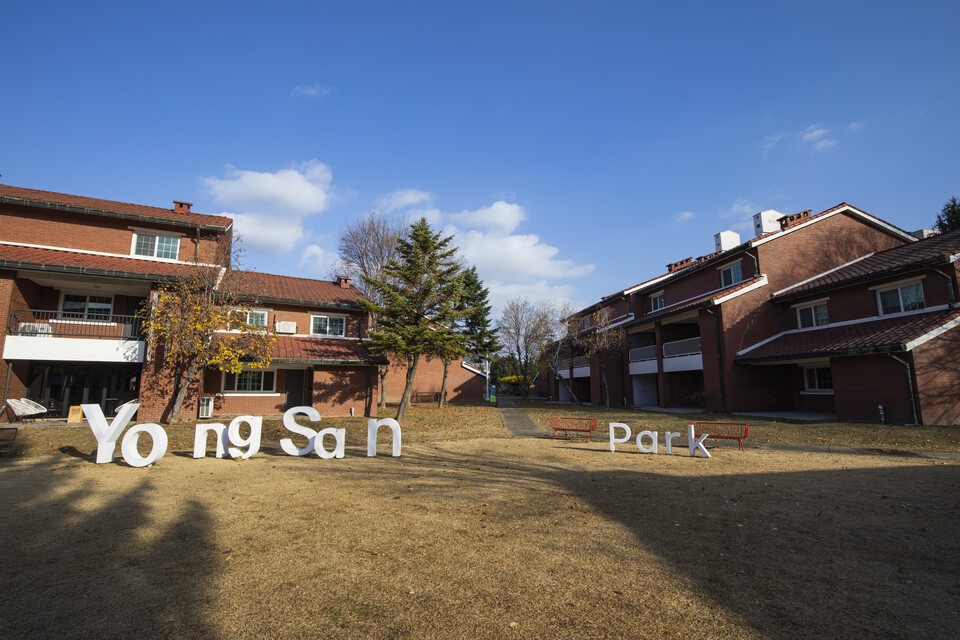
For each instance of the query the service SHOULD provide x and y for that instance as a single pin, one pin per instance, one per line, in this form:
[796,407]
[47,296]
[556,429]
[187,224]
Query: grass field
[474,534]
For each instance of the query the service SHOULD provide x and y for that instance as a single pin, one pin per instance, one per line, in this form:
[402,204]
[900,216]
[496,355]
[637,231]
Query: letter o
[128,448]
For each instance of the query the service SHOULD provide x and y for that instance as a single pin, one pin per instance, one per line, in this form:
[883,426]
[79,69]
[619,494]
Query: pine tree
[949,217]
[418,298]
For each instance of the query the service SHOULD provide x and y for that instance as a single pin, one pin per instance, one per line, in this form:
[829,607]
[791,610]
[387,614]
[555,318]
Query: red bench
[573,425]
[722,431]
[7,437]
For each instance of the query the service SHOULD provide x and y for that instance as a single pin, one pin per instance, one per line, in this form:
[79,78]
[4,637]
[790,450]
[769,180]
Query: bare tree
[527,329]
[564,327]
[598,337]
[366,247]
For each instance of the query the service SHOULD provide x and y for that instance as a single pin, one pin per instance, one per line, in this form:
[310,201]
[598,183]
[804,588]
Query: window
[731,275]
[154,246]
[906,297]
[327,326]
[656,301]
[254,318]
[257,318]
[81,307]
[818,380]
[814,315]
[251,381]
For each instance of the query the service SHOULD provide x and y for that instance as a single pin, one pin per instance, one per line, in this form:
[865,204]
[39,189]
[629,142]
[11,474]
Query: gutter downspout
[6,386]
[913,396]
[756,264]
[723,391]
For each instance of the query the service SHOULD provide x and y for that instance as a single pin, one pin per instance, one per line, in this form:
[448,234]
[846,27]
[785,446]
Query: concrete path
[516,422]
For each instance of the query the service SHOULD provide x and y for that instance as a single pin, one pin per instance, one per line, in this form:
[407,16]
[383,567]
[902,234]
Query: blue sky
[574,148]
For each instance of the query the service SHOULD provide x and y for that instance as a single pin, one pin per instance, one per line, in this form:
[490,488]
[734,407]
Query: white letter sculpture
[339,436]
[252,442]
[614,440]
[129,445]
[291,424]
[654,445]
[696,444]
[107,435]
[200,439]
[373,426]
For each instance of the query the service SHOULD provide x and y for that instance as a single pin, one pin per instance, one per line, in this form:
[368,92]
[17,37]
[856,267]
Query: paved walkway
[516,422]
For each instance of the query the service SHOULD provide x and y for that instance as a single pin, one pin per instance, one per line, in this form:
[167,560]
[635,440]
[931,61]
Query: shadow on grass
[838,553]
[72,571]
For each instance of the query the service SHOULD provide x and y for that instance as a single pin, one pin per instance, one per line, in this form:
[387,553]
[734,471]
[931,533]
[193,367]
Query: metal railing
[60,324]
[688,347]
[640,354]
[578,362]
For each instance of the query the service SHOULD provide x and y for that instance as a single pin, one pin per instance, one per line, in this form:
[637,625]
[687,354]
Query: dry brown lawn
[486,537]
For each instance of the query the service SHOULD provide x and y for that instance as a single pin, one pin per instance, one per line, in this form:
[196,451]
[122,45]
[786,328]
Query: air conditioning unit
[288,326]
[34,329]
[206,407]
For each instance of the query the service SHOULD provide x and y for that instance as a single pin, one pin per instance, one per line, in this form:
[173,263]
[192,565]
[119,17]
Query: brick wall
[338,389]
[938,379]
[861,383]
[462,384]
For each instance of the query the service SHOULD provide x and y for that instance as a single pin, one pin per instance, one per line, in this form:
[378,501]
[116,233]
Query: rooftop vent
[794,219]
[181,207]
[766,221]
[343,282]
[726,240]
[682,264]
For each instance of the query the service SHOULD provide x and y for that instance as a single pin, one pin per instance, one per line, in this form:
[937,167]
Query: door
[294,385]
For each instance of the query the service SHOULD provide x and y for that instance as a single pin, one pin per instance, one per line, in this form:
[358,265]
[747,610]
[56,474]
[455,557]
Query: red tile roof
[706,300]
[33,258]
[112,208]
[878,336]
[914,256]
[267,286]
[328,351]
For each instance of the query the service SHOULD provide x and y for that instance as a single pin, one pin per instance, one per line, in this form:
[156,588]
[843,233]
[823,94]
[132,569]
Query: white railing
[581,361]
[640,354]
[688,347]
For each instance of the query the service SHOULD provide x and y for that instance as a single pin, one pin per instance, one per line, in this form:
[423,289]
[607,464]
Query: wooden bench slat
[565,425]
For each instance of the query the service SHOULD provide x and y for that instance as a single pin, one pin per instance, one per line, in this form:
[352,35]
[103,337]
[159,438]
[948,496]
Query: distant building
[839,313]
[74,271]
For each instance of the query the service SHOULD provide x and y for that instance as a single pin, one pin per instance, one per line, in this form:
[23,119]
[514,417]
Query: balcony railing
[688,347]
[641,354]
[578,362]
[60,324]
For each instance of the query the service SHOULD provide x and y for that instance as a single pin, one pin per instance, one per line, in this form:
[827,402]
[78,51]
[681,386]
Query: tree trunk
[563,380]
[443,385]
[185,383]
[382,372]
[603,382]
[411,373]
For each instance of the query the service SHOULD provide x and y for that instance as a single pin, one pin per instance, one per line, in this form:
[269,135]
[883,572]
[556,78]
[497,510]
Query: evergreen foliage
[949,217]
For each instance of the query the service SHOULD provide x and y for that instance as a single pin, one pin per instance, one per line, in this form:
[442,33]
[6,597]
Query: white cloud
[501,217]
[740,207]
[403,198]
[818,138]
[515,257]
[317,260]
[538,290]
[269,208]
[315,91]
[684,216]
[854,127]
[772,141]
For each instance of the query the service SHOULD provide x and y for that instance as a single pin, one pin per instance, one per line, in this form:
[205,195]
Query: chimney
[676,266]
[726,240]
[180,206]
[343,282]
[766,222]
[793,220]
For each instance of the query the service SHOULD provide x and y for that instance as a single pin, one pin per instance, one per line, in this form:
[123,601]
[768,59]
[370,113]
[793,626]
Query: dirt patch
[482,538]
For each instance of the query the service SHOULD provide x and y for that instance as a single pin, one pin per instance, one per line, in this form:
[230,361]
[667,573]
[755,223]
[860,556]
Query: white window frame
[251,373]
[816,389]
[86,319]
[812,306]
[239,310]
[654,297]
[897,286]
[343,319]
[137,233]
[731,267]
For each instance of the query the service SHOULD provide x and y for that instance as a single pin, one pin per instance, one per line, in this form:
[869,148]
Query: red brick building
[74,271]
[803,317]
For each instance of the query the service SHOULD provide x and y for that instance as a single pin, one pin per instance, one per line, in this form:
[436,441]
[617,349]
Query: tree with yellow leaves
[184,325]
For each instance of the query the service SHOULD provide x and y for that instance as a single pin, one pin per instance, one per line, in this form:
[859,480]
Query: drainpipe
[950,291]
[723,392]
[196,248]
[756,264]
[6,386]
[913,396]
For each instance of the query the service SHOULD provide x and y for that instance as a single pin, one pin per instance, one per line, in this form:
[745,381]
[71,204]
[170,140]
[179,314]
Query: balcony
[581,367]
[680,355]
[34,334]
